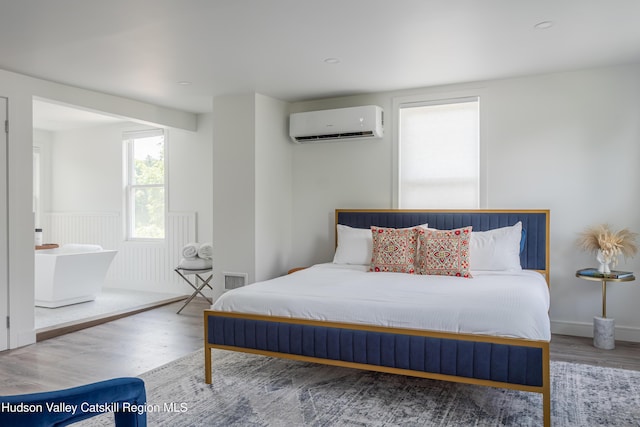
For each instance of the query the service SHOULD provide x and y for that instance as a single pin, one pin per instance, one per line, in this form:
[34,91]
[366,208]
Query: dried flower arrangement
[607,243]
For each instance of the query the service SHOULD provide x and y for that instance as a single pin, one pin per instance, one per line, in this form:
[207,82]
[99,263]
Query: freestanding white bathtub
[70,274]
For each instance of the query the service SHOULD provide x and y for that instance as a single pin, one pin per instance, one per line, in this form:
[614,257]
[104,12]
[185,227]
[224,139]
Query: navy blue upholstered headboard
[534,256]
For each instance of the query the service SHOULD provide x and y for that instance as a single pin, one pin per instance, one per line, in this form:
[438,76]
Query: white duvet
[509,304]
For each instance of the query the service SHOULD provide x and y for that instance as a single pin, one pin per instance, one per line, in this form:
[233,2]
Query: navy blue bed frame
[476,359]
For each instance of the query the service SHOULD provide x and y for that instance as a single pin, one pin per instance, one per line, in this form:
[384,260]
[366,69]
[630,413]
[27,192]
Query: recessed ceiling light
[332,60]
[184,83]
[543,25]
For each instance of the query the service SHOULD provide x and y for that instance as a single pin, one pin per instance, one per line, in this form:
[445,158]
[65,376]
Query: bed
[424,325]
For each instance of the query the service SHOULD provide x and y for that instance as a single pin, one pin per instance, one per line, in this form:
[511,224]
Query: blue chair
[125,397]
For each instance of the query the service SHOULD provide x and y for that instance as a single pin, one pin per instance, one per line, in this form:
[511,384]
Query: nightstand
[604,328]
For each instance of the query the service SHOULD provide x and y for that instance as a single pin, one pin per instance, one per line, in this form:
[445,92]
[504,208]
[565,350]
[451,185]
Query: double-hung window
[145,189]
[439,153]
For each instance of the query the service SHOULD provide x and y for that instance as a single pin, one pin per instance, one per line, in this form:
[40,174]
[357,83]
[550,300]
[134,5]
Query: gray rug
[250,390]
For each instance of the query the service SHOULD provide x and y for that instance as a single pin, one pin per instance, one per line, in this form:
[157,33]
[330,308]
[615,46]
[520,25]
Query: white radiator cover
[138,265]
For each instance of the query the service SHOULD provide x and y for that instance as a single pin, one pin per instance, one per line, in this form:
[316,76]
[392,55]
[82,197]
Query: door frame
[4,229]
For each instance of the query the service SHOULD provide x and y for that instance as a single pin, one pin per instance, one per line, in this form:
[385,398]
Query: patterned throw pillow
[444,252]
[394,249]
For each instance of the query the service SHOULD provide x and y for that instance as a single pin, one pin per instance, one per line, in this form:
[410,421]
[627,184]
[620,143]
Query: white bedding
[509,304]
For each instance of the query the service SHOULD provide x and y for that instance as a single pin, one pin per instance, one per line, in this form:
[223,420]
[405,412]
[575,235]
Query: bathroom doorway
[78,201]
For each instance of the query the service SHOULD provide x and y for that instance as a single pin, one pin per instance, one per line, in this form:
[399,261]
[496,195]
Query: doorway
[78,201]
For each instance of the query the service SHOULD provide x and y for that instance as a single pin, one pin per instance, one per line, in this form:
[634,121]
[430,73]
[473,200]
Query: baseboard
[584,329]
[62,329]
[25,338]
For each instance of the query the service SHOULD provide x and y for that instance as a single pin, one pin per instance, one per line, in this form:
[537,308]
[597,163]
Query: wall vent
[234,280]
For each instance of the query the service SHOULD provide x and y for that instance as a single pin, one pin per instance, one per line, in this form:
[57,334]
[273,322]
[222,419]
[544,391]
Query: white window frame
[435,97]
[128,139]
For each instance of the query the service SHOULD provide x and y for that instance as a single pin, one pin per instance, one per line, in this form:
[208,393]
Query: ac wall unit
[335,125]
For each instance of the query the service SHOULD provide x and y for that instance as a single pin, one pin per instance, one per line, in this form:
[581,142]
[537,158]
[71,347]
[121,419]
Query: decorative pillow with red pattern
[394,249]
[444,252]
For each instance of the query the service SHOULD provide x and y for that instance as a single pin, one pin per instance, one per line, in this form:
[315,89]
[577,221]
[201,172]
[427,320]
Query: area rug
[251,390]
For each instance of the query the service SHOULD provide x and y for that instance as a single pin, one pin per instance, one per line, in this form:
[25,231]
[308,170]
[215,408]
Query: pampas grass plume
[612,244]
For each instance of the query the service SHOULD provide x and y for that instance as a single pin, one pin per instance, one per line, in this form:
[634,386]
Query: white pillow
[355,245]
[497,249]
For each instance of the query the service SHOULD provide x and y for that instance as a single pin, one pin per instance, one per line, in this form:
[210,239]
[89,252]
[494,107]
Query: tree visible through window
[146,184]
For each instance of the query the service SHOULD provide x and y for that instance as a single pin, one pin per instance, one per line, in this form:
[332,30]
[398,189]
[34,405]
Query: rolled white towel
[195,263]
[206,250]
[190,250]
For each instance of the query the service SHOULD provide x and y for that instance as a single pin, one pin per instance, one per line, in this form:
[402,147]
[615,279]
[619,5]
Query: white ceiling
[55,117]
[141,49]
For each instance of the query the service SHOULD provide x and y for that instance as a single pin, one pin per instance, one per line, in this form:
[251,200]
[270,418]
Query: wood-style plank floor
[128,346]
[132,345]
[566,348]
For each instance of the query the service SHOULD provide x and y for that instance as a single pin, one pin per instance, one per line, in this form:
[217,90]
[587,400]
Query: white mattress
[509,304]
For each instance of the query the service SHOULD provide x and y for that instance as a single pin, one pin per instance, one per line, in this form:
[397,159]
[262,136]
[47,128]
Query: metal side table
[603,327]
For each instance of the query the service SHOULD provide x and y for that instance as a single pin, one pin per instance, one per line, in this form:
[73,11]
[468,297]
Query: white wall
[273,188]
[251,187]
[43,140]
[21,90]
[190,174]
[569,142]
[86,169]
[233,187]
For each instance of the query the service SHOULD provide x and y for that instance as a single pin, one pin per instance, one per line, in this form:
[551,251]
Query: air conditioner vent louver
[312,138]
[335,125]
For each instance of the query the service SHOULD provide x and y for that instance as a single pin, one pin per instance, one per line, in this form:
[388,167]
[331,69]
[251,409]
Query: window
[439,154]
[145,184]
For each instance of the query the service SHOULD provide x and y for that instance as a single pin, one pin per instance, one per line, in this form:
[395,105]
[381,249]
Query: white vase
[604,263]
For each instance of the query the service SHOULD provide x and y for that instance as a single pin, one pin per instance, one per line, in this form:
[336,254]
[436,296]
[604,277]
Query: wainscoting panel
[143,265]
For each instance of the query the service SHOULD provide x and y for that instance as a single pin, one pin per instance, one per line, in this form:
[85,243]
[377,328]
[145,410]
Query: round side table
[604,328]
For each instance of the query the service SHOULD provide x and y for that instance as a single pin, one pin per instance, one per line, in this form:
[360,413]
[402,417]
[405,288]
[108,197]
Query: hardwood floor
[565,348]
[125,347]
[132,345]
